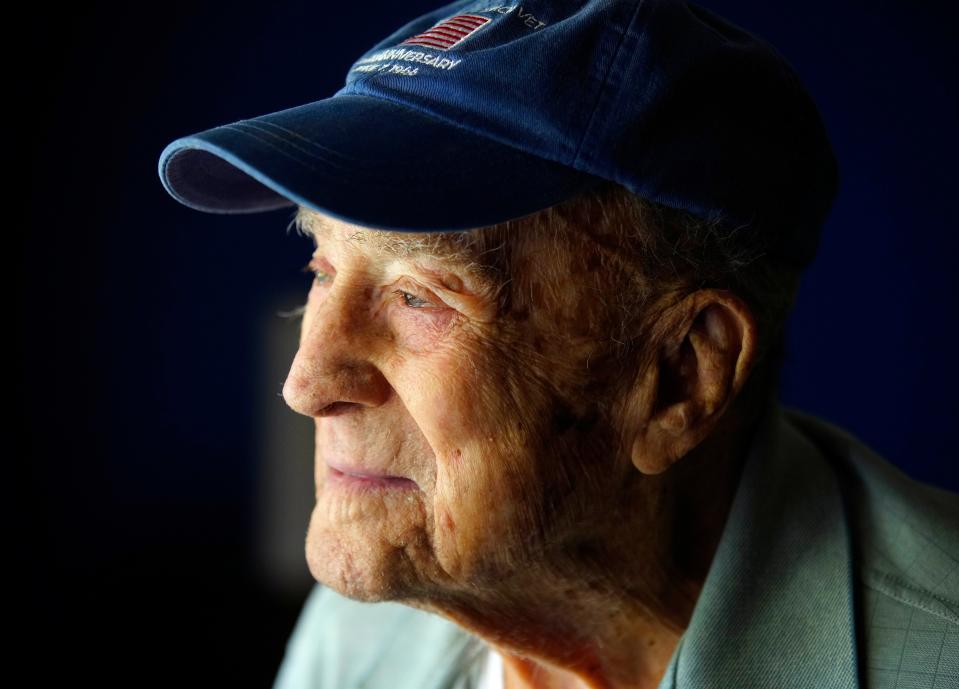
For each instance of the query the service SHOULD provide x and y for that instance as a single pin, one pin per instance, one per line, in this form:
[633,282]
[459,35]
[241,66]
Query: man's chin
[353,568]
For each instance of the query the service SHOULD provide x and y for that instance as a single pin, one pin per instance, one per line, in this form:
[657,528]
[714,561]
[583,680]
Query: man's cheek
[475,513]
[422,334]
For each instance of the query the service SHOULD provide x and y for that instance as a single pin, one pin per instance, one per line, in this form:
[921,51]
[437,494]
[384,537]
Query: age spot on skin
[448,521]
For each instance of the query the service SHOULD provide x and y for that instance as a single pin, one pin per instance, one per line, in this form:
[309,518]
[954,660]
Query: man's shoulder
[342,643]
[904,537]
[905,533]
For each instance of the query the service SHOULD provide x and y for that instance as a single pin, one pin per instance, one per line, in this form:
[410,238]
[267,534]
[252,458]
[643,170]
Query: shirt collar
[776,608]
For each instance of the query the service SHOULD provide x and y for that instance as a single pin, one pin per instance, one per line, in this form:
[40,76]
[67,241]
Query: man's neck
[617,625]
[522,673]
[647,643]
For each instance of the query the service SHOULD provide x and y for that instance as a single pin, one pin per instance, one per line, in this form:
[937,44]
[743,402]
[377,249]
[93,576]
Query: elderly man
[555,247]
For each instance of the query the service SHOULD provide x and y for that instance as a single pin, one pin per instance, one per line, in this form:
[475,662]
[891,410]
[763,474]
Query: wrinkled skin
[547,510]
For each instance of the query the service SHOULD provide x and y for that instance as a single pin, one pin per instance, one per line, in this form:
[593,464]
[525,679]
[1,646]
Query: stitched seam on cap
[271,144]
[602,88]
[265,126]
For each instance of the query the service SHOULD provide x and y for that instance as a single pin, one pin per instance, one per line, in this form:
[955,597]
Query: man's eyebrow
[452,247]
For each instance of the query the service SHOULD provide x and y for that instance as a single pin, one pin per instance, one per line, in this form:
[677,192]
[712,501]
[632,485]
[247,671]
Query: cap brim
[364,160]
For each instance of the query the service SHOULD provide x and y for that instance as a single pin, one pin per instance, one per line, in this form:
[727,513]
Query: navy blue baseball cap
[480,112]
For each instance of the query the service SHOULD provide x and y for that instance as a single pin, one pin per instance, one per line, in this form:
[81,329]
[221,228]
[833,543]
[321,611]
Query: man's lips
[345,472]
[360,472]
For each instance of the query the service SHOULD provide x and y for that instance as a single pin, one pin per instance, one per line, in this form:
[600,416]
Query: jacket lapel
[777,608]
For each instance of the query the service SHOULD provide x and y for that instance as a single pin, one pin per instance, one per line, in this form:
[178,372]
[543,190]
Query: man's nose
[332,365]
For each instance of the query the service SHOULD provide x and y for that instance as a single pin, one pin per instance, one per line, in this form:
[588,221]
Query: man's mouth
[363,478]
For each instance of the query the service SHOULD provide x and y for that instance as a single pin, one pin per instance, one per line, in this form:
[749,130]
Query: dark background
[165,485]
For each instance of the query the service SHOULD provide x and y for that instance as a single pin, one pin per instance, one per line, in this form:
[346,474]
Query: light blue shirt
[834,570]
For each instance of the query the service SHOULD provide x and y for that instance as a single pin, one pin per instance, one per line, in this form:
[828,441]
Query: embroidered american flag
[449,32]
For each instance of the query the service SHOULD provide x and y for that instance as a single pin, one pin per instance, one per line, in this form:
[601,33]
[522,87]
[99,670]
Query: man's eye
[411,300]
[408,299]
[319,276]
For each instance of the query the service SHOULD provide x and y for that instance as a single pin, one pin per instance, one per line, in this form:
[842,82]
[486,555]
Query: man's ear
[703,361]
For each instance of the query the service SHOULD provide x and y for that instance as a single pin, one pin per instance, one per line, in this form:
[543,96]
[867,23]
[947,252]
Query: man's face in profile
[490,426]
